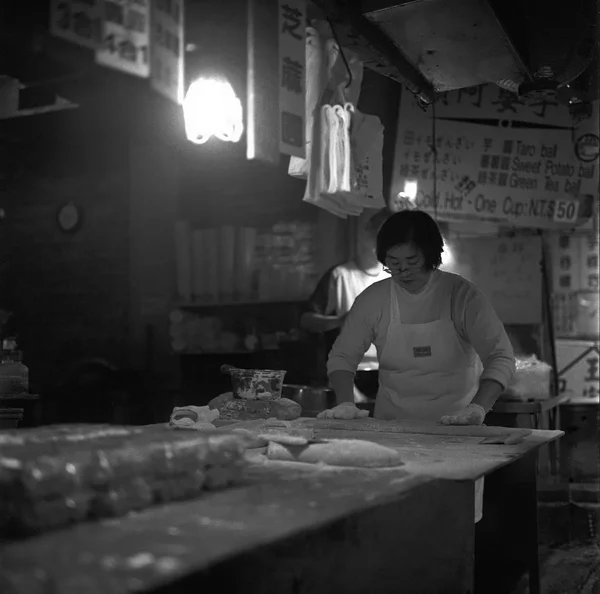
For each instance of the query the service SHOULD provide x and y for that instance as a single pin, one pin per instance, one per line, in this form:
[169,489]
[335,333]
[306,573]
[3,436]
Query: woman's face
[406,264]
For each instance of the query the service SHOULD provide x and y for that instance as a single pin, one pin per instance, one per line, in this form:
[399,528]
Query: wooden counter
[289,528]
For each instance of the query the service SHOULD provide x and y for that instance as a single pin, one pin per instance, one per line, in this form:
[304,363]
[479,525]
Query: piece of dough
[221,400]
[345,411]
[338,452]
[193,417]
[408,427]
[259,433]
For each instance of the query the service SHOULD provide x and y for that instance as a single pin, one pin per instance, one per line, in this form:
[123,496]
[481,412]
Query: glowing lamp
[211,108]
[410,189]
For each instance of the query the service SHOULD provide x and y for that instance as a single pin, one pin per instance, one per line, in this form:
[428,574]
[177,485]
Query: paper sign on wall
[77,21]
[167,48]
[499,158]
[292,76]
[125,41]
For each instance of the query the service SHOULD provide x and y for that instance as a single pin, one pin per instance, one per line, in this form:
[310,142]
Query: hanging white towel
[327,81]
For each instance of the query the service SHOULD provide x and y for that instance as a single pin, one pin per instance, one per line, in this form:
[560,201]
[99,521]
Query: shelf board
[199,353]
[201,305]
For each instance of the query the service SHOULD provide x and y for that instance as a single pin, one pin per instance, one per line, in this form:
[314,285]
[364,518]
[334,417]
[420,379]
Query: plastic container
[532,380]
[14,377]
[10,417]
[312,400]
[257,384]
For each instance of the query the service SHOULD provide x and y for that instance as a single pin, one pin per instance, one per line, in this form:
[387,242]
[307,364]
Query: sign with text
[125,40]
[167,48]
[77,21]
[292,76]
[579,370]
[498,159]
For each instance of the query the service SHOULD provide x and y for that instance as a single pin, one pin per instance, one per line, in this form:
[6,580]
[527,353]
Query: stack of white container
[243,264]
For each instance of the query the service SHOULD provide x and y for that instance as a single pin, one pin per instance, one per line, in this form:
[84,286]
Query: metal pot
[312,400]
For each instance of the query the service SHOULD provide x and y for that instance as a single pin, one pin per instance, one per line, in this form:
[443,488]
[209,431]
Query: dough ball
[220,400]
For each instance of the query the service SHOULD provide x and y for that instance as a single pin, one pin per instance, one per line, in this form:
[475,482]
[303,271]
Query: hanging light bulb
[410,189]
[211,108]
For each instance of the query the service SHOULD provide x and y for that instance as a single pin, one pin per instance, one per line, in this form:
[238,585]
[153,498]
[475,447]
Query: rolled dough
[408,427]
[338,452]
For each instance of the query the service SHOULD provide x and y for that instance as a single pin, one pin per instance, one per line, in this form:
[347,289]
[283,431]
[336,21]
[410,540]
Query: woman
[335,294]
[432,331]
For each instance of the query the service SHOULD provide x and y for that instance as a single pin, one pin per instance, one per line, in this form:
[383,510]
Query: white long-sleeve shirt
[473,315]
[335,294]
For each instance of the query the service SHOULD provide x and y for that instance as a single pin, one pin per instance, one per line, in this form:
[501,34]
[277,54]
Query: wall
[107,290]
[69,292]
[154,182]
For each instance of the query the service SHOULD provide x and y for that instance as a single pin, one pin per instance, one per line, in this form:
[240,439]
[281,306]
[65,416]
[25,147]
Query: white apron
[425,372]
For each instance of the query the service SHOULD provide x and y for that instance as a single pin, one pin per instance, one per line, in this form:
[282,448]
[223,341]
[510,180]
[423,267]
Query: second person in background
[335,294]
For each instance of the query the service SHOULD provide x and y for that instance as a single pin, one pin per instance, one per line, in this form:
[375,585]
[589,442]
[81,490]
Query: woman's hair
[413,226]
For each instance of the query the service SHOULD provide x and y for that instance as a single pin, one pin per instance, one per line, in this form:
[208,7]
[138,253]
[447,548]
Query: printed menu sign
[77,21]
[125,37]
[167,48]
[292,76]
[498,159]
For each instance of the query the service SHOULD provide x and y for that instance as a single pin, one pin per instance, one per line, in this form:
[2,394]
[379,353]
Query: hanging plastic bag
[367,161]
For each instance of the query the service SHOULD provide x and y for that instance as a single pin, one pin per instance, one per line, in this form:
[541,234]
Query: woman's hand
[345,411]
[472,414]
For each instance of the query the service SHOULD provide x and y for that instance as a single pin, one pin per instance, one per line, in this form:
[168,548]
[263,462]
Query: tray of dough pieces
[54,476]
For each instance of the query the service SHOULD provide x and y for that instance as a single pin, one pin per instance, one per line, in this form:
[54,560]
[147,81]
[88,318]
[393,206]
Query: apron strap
[394,306]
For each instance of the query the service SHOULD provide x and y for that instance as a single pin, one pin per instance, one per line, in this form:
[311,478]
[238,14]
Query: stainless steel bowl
[312,399]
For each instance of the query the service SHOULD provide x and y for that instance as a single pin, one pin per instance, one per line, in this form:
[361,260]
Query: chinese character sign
[167,48]
[579,370]
[292,76]
[498,158]
[77,21]
[125,36]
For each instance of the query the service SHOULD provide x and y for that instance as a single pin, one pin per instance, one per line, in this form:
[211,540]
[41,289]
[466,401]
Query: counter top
[276,502]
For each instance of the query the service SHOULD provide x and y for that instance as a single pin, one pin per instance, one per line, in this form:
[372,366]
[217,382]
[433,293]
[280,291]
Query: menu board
[292,76]
[498,158]
[125,38]
[167,48]
[77,21]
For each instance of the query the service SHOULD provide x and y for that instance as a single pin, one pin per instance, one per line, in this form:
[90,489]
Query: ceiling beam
[373,47]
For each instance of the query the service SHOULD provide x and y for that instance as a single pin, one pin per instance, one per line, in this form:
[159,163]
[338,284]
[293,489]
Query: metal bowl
[312,399]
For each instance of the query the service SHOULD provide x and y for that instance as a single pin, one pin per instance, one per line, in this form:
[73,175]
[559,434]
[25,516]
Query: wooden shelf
[209,353]
[199,305]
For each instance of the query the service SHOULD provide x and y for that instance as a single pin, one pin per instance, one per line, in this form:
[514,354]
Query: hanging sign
[77,21]
[125,40]
[292,76]
[498,159]
[167,48]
